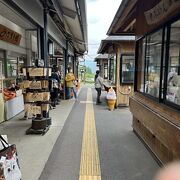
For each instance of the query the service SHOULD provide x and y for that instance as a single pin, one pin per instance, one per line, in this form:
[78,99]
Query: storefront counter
[14,106]
[1,108]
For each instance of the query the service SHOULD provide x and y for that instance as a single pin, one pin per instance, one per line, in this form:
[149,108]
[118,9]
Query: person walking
[98,85]
[70,84]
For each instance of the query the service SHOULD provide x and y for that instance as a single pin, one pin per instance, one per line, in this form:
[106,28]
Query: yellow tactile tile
[89,166]
[90,178]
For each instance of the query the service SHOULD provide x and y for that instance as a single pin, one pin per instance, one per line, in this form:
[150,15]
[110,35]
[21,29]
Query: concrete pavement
[64,161]
[56,155]
[34,150]
[122,154]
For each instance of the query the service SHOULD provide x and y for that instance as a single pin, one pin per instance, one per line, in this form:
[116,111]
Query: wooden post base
[40,131]
[39,126]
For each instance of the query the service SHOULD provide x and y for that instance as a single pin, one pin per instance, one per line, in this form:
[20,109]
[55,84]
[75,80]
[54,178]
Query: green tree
[88,70]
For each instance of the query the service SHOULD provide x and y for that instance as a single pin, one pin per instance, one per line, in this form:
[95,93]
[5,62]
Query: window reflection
[153,63]
[127,65]
[105,70]
[141,65]
[173,78]
[111,69]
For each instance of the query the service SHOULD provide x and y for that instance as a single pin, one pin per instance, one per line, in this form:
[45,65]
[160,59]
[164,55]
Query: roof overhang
[124,20]
[73,16]
[107,45]
[139,17]
[101,57]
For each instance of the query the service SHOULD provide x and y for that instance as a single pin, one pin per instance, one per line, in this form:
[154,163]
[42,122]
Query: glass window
[141,65]
[14,66]
[2,63]
[163,64]
[11,66]
[105,70]
[153,63]
[173,75]
[151,67]
[115,68]
[111,69]
[127,68]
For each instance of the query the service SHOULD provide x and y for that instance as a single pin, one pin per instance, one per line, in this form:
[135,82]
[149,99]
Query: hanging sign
[161,10]
[9,35]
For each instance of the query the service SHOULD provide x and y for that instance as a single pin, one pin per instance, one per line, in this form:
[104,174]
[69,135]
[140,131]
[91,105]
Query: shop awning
[73,15]
[68,16]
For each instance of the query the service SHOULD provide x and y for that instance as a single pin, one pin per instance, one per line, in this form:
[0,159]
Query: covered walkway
[109,151]
[84,141]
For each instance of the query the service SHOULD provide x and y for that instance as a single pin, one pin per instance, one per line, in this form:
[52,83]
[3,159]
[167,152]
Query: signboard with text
[161,10]
[155,13]
[9,35]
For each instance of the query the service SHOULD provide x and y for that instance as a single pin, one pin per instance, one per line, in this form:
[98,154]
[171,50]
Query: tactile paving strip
[90,165]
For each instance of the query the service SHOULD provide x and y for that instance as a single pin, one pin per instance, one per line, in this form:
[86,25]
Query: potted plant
[111,99]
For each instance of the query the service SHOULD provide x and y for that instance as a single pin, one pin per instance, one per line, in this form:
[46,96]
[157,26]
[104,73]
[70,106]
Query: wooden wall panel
[157,130]
[162,153]
[123,94]
[123,48]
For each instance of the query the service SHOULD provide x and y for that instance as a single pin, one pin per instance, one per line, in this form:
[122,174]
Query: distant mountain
[89,63]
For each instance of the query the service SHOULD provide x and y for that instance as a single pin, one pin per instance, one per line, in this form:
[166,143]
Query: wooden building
[102,65]
[155,104]
[121,62]
[55,31]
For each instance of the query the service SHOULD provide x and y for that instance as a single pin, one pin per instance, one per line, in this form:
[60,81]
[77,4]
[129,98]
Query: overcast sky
[100,14]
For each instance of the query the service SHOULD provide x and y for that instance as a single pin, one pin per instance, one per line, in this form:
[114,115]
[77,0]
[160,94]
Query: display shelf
[36,85]
[36,90]
[37,102]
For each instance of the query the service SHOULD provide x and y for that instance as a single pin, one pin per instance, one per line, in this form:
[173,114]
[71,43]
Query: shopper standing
[98,86]
[55,80]
[70,83]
